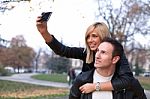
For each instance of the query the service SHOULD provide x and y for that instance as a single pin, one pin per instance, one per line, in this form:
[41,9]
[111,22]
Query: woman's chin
[93,49]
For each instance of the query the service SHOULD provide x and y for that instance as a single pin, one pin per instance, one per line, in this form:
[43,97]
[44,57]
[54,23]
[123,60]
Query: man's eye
[97,50]
[103,52]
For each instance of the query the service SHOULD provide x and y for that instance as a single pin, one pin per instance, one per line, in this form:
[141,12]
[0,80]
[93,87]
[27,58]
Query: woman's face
[93,40]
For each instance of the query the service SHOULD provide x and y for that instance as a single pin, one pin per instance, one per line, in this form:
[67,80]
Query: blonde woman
[94,34]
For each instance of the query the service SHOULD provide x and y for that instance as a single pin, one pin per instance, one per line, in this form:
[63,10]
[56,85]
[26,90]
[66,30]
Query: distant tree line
[18,55]
[129,18]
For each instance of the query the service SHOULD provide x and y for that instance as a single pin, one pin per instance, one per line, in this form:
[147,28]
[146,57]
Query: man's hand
[88,87]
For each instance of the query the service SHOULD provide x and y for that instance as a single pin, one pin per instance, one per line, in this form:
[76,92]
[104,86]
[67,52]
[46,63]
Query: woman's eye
[87,37]
[95,36]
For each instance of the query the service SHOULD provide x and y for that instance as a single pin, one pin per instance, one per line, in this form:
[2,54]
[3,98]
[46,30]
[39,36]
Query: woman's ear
[115,59]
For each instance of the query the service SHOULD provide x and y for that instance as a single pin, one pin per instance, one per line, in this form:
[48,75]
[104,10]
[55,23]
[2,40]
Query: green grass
[145,82]
[15,87]
[23,90]
[10,86]
[39,97]
[51,77]
[48,96]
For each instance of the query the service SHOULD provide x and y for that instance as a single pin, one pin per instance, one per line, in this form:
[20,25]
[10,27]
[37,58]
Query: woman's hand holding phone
[45,16]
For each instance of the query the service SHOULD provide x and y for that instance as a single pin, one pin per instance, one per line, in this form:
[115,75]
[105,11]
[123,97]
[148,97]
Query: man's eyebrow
[103,50]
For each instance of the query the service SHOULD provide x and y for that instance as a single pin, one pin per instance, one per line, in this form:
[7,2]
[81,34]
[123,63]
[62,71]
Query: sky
[69,21]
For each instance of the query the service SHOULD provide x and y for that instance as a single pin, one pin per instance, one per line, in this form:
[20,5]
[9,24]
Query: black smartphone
[45,16]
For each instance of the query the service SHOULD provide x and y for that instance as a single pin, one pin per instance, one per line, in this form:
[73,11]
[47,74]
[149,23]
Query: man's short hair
[118,48]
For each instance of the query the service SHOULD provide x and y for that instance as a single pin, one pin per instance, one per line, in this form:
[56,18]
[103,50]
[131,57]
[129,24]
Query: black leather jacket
[134,92]
[123,68]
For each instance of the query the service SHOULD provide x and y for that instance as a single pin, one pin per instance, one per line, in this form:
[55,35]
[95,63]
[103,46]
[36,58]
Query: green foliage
[52,77]
[138,70]
[58,64]
[3,72]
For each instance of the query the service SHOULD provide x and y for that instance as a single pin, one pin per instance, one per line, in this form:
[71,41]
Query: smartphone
[45,16]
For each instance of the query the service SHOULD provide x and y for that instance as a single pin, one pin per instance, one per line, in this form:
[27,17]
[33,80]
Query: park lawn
[17,90]
[52,77]
[13,90]
[145,82]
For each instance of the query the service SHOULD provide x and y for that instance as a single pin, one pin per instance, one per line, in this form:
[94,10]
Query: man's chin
[96,65]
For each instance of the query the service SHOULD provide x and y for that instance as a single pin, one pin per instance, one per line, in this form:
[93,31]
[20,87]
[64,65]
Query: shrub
[3,72]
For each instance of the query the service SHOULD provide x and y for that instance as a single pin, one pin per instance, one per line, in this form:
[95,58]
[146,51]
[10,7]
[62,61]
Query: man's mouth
[97,61]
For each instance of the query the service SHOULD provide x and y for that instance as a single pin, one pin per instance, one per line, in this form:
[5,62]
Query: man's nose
[97,55]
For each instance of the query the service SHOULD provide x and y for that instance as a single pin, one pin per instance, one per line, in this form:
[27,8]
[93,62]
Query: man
[72,75]
[107,56]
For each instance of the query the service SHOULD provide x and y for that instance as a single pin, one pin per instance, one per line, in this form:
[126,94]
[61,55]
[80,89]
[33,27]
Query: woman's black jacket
[123,68]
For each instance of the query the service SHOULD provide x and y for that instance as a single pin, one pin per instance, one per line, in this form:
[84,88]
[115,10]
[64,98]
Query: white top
[101,94]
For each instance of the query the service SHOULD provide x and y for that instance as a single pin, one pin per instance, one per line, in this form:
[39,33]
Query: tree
[18,54]
[58,64]
[9,4]
[18,41]
[3,42]
[130,18]
[37,57]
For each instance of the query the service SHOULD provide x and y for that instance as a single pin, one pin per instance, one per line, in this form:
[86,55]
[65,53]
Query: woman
[94,34]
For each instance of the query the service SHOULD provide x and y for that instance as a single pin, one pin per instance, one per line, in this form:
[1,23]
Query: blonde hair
[102,30]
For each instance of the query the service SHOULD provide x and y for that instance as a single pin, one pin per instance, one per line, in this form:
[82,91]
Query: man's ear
[115,59]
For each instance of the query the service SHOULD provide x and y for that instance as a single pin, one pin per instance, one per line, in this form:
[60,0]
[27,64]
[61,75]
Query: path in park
[26,78]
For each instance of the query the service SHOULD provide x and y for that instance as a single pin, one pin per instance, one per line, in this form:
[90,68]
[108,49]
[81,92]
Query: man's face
[103,57]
